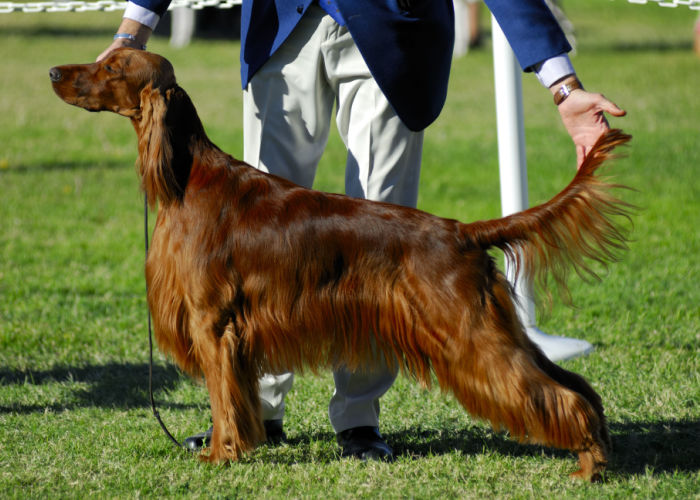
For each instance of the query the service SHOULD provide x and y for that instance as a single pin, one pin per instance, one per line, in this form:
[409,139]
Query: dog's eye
[110,69]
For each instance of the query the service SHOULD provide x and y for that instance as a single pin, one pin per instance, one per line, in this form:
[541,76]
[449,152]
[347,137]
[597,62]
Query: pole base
[558,348]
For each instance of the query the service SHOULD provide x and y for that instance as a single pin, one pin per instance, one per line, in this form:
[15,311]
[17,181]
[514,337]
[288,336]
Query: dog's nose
[55,74]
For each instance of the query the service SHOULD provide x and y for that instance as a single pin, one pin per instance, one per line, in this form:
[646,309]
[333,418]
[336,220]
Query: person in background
[468,34]
[384,64]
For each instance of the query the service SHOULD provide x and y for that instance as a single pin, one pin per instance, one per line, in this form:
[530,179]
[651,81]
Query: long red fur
[249,273]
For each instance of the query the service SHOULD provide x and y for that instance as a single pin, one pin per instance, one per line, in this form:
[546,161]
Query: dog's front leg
[232,381]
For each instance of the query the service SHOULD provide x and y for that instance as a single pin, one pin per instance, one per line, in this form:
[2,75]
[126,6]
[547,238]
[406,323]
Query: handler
[385,65]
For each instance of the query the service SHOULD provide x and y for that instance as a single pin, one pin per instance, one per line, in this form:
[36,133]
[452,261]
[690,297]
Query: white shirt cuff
[551,70]
[141,15]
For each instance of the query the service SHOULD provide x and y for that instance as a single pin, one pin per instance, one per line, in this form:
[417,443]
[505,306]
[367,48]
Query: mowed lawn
[75,420]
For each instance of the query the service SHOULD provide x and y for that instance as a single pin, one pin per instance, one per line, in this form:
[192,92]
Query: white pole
[182,26]
[513,175]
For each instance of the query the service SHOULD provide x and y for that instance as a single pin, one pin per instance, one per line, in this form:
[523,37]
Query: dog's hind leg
[232,381]
[493,371]
[578,384]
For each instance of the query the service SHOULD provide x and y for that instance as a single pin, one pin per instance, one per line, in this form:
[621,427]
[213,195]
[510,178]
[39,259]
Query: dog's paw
[582,475]
[214,457]
[592,464]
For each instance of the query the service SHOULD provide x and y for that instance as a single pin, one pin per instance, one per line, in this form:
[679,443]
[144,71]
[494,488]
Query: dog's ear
[155,148]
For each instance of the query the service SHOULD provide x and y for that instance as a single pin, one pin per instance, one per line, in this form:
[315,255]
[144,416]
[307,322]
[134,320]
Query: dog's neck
[170,139]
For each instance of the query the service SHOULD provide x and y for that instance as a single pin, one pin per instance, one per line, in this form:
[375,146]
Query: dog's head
[116,83]
[140,85]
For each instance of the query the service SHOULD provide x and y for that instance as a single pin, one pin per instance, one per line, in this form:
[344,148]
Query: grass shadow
[413,443]
[658,447]
[112,385]
[661,447]
[473,440]
[638,448]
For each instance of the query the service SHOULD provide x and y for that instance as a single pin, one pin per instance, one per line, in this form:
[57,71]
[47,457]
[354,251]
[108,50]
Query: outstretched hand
[583,115]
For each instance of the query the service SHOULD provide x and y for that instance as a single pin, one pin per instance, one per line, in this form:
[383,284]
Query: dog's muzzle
[55,74]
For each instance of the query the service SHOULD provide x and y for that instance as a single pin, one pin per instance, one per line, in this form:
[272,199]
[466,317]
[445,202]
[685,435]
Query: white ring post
[182,24]
[513,175]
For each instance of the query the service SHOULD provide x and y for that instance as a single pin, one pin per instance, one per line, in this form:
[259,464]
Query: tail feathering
[577,226]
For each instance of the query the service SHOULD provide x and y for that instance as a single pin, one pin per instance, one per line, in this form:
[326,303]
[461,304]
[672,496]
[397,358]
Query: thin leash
[150,342]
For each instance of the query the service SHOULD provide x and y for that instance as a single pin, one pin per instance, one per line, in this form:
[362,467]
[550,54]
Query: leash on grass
[150,340]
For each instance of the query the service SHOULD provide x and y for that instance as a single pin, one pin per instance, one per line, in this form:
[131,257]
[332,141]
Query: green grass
[74,414]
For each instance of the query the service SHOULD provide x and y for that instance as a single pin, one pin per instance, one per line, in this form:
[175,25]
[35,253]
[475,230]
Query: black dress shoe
[198,441]
[364,443]
[273,429]
[274,432]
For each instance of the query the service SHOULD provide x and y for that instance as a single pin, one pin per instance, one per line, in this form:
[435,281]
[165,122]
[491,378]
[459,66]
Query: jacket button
[300,8]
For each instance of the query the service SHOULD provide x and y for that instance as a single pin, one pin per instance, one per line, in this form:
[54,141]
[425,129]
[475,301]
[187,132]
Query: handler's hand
[583,115]
[141,32]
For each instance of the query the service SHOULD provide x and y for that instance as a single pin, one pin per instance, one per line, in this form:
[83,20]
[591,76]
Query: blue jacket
[407,44]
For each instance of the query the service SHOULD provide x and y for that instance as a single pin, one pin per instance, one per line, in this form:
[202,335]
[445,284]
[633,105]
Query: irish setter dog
[249,273]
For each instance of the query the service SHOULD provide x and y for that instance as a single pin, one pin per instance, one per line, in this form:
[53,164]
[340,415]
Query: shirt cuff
[553,69]
[141,15]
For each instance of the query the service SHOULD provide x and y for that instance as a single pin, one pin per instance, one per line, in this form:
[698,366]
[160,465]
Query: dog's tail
[579,224]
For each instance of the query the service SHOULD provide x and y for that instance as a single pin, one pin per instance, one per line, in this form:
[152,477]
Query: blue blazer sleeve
[531,30]
[157,6]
